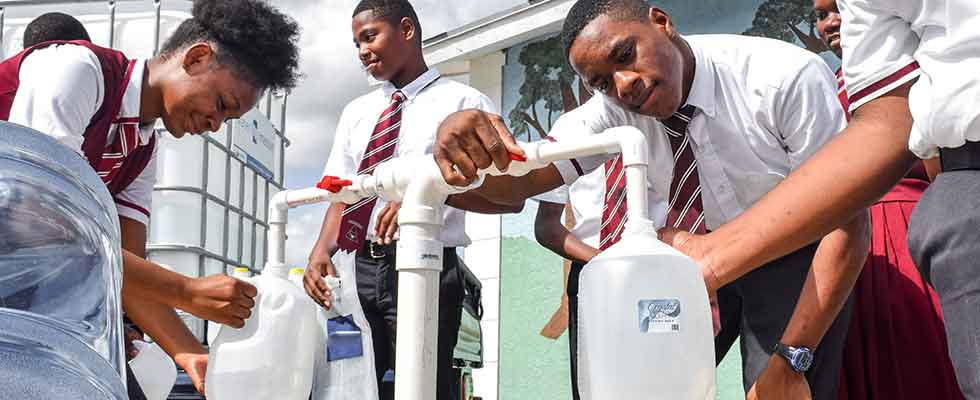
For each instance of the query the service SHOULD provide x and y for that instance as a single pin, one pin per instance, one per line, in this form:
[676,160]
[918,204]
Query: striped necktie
[685,190]
[380,148]
[685,210]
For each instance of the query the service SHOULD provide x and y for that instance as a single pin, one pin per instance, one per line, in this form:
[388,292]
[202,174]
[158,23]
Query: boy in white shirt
[731,128]
[399,118]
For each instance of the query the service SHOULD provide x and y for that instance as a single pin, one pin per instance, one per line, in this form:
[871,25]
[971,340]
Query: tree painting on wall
[546,92]
[782,19]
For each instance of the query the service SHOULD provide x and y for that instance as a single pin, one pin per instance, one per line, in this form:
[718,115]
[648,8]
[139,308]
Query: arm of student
[553,235]
[836,267]
[839,181]
[473,202]
[218,298]
[159,320]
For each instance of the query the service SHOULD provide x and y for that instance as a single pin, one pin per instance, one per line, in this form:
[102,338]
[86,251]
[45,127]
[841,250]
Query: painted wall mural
[538,87]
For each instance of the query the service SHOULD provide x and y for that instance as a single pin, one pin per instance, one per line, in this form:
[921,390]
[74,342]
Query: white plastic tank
[60,274]
[154,370]
[272,356]
[644,326]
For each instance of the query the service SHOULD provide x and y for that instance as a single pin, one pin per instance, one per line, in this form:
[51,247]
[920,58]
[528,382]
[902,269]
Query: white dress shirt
[763,108]
[429,100]
[61,89]
[887,43]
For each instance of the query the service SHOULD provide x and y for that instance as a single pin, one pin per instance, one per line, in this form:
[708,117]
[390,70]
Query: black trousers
[944,241]
[758,306]
[572,291]
[132,386]
[377,289]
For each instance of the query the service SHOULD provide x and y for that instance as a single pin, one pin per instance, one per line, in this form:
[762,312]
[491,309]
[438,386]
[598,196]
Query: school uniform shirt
[63,108]
[429,100]
[763,108]
[888,43]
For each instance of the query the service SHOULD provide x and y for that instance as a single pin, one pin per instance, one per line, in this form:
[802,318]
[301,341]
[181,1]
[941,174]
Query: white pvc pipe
[417,182]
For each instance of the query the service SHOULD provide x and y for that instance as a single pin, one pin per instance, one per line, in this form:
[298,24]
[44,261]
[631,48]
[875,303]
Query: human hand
[387,224]
[778,382]
[687,243]
[471,140]
[313,283]
[196,366]
[219,298]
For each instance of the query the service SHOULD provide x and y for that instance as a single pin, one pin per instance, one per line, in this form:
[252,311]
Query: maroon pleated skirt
[896,346]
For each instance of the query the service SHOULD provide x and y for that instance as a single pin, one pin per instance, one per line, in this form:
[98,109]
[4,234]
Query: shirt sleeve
[558,195]
[61,88]
[481,102]
[878,50]
[806,111]
[340,162]
[135,201]
[590,118]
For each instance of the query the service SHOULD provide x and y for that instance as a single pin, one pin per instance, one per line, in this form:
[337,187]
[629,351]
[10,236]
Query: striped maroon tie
[614,209]
[685,210]
[380,148]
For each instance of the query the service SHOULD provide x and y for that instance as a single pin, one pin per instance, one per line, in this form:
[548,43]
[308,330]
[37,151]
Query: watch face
[802,360]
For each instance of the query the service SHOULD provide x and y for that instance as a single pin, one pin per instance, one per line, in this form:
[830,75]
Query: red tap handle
[517,157]
[333,184]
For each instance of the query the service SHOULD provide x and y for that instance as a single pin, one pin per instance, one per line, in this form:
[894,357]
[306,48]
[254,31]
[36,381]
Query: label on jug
[659,315]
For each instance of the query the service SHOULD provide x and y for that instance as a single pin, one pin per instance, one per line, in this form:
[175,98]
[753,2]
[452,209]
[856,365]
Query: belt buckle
[375,250]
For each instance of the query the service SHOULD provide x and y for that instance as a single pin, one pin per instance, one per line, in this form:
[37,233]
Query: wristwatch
[800,358]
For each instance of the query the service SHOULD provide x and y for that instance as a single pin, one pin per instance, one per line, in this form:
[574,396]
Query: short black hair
[251,36]
[583,12]
[391,11]
[54,26]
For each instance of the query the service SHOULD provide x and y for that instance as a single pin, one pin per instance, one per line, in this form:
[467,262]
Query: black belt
[377,250]
[966,157]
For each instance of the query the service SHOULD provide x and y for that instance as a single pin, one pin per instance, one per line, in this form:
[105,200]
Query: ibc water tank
[60,274]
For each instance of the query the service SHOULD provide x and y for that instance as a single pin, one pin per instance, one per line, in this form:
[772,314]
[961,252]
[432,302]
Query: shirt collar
[702,92]
[131,100]
[413,89]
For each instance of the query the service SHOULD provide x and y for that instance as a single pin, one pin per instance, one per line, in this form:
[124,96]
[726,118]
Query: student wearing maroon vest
[897,332]
[104,105]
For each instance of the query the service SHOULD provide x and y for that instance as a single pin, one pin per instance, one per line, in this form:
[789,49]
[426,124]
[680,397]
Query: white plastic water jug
[213,327]
[644,326]
[296,276]
[271,357]
[154,370]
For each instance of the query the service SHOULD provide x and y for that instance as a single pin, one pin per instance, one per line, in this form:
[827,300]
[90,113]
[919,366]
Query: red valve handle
[333,184]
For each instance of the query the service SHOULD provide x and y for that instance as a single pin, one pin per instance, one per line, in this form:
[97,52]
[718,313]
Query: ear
[198,58]
[660,18]
[407,28]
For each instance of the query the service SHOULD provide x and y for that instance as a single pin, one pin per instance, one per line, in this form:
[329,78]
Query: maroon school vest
[118,163]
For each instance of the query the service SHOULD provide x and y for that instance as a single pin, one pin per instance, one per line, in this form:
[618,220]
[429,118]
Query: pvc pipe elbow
[632,145]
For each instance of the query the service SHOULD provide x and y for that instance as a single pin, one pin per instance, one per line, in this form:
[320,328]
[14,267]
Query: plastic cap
[241,270]
[297,271]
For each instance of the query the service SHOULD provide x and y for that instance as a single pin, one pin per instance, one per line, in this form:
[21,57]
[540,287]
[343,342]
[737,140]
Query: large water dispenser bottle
[60,274]
[644,326]
[271,357]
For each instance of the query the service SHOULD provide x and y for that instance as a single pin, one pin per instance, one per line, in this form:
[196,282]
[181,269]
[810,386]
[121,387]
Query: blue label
[659,315]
